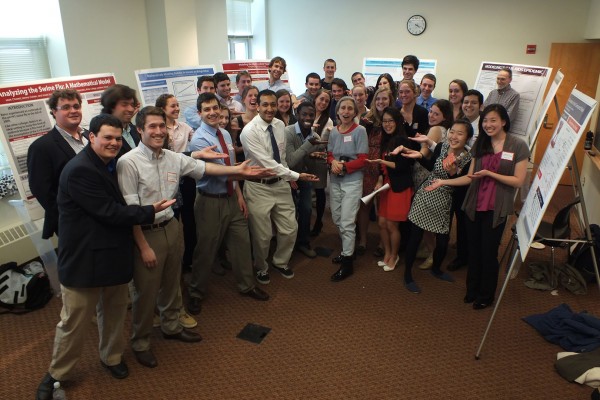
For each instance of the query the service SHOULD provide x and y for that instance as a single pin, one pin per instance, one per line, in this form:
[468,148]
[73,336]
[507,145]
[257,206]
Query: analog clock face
[416,25]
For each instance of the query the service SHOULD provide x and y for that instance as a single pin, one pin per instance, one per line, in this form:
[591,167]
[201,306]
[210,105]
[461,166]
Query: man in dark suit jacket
[95,254]
[121,101]
[48,155]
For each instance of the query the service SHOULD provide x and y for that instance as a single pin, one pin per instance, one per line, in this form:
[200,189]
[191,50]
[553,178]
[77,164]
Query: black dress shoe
[119,371]
[257,294]
[338,259]
[46,388]
[481,305]
[468,299]
[146,358]
[194,305]
[185,336]
[456,264]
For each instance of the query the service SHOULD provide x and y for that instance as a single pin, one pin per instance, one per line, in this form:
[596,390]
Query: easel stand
[576,179]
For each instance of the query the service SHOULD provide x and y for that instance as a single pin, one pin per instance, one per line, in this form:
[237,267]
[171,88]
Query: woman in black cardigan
[396,171]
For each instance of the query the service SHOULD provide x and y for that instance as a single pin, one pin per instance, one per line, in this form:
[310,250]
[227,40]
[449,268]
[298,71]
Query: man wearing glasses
[48,155]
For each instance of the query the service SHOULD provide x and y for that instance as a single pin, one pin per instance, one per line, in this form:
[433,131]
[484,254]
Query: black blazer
[46,158]
[95,238]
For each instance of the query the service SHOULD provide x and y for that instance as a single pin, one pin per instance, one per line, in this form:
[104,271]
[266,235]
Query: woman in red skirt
[395,170]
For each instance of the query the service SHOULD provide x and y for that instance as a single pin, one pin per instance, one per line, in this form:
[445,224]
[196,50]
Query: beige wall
[106,36]
[460,34]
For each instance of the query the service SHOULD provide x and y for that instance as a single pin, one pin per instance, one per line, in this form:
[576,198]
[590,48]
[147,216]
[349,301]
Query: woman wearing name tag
[498,168]
[346,154]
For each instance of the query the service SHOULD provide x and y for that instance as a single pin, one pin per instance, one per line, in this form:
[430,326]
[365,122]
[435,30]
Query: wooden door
[580,62]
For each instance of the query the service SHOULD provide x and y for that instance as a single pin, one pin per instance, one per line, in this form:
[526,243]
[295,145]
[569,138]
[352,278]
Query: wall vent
[12,234]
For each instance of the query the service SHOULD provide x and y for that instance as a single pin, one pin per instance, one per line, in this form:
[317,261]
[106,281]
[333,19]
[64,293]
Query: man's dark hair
[473,92]
[220,77]
[140,118]
[266,92]
[411,60]
[115,93]
[280,60]
[67,94]
[357,73]
[312,75]
[430,77]
[304,104]
[331,60]
[240,74]
[339,82]
[205,78]
[104,119]
[205,98]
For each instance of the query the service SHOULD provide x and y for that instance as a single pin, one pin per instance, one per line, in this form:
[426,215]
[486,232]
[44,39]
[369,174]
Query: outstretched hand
[163,205]
[254,171]
[436,183]
[209,153]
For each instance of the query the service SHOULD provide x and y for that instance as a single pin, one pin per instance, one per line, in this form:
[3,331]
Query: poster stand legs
[513,263]
[514,259]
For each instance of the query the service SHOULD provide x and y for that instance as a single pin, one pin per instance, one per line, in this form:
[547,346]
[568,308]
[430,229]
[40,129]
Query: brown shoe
[146,358]
[185,336]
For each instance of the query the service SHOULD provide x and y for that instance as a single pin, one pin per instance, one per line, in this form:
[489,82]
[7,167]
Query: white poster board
[258,69]
[179,81]
[573,121]
[530,81]
[25,116]
[373,67]
[539,120]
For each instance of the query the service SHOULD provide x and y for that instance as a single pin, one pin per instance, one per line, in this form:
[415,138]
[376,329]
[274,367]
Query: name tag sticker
[347,139]
[415,126]
[507,156]
[172,177]
[229,147]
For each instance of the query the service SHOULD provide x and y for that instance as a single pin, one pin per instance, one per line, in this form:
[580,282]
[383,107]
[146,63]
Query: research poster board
[258,69]
[25,116]
[178,81]
[574,119]
[373,67]
[539,120]
[529,80]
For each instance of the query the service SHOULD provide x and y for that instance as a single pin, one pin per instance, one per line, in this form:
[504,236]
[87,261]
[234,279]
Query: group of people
[133,203]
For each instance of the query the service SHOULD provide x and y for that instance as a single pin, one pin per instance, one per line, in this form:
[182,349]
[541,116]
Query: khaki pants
[79,305]
[158,286]
[266,204]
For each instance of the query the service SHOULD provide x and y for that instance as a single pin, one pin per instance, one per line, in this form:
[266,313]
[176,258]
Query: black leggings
[441,247]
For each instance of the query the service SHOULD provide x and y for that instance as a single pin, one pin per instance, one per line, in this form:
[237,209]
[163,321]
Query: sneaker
[285,271]
[307,251]
[427,263]
[263,277]
[156,321]
[186,320]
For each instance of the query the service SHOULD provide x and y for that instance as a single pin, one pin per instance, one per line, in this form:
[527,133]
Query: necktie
[276,155]
[224,149]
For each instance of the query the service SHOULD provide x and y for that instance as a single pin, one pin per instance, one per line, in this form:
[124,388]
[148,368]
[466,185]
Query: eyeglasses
[67,107]
[388,121]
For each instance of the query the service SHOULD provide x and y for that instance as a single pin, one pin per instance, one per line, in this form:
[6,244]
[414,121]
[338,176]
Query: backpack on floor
[23,289]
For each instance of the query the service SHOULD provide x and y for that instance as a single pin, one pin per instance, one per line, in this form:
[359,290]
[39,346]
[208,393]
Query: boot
[346,269]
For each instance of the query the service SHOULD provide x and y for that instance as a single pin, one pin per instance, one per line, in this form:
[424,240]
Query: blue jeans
[303,197]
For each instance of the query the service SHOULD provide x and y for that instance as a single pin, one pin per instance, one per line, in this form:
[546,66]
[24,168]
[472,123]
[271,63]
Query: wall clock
[416,25]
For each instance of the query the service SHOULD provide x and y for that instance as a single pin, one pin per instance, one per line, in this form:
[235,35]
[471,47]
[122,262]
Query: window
[239,29]
[23,59]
